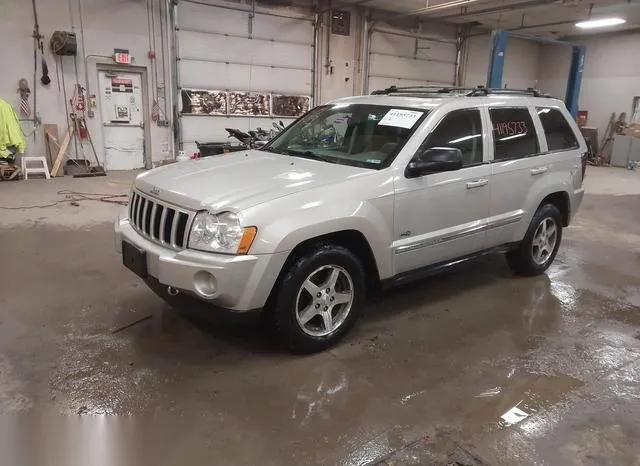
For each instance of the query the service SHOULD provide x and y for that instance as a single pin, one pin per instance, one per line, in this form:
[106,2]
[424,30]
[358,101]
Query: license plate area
[134,259]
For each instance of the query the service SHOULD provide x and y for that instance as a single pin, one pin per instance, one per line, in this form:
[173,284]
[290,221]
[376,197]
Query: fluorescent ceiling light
[600,23]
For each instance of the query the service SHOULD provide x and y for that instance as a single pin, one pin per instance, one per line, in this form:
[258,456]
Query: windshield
[367,136]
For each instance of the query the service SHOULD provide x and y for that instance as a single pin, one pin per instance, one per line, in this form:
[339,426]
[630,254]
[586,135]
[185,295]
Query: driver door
[442,216]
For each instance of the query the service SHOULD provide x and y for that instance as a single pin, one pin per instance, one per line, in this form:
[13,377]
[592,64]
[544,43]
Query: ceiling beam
[498,9]
[434,8]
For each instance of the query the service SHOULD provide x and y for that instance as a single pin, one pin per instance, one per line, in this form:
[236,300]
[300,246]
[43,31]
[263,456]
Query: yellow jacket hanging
[10,131]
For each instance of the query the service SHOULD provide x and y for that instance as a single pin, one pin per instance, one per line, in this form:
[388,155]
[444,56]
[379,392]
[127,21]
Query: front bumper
[242,283]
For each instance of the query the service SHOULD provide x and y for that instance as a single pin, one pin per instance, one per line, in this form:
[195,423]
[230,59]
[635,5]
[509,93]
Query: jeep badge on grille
[155,190]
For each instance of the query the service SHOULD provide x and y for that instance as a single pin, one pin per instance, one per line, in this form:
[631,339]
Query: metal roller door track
[247,10]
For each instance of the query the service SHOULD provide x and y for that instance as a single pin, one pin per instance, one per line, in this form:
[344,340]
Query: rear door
[519,171]
[565,156]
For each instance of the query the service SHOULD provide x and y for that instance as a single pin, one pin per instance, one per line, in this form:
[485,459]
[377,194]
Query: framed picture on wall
[249,104]
[202,102]
[289,106]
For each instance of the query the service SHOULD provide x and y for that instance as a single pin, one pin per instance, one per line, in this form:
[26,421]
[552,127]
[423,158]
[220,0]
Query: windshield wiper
[270,149]
[307,154]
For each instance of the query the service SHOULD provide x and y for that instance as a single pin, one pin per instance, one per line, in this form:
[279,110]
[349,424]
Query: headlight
[220,233]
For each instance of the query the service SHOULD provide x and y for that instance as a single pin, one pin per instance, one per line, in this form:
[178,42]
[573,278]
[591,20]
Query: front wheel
[320,298]
[540,245]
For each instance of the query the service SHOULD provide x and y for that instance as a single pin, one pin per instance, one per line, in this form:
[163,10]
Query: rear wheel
[320,298]
[540,245]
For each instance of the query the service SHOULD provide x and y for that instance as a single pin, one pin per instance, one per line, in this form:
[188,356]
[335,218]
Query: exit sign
[122,56]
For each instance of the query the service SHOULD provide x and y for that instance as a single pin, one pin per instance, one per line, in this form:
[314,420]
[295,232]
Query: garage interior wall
[108,24]
[521,65]
[611,76]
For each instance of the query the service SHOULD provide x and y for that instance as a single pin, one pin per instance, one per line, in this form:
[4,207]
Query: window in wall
[514,135]
[559,134]
[460,129]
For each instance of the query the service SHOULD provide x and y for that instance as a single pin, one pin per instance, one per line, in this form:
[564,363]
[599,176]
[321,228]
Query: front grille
[159,222]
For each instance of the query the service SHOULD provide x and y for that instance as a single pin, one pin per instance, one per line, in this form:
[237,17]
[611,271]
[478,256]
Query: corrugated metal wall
[223,49]
[403,59]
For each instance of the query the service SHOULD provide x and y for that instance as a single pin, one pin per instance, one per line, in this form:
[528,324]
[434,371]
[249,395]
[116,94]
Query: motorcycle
[258,138]
[254,139]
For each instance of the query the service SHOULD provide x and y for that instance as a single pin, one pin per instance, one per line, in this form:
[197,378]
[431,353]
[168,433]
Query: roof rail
[483,91]
[479,91]
[421,90]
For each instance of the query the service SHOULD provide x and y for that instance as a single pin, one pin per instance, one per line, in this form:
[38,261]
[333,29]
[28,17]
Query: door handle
[538,171]
[477,183]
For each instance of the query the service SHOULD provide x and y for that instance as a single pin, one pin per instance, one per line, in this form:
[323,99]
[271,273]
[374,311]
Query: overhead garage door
[398,58]
[238,69]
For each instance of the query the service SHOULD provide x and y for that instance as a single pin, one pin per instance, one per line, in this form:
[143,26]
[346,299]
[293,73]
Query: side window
[514,135]
[559,134]
[460,129]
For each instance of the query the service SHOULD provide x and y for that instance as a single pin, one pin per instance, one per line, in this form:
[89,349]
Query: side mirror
[434,160]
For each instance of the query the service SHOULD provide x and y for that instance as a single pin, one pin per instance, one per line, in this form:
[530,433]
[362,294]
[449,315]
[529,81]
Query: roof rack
[483,91]
[479,91]
[421,90]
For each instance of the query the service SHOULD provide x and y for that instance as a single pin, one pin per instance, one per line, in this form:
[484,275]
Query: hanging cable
[36,45]
[153,36]
[149,18]
[164,65]
[66,114]
[84,50]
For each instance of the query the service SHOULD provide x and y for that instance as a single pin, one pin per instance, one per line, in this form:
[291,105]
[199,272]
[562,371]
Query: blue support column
[496,58]
[572,97]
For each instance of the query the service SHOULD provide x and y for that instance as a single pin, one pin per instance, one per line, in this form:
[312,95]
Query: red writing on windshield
[509,128]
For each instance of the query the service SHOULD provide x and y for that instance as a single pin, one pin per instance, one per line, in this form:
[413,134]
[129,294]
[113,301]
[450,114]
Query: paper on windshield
[401,118]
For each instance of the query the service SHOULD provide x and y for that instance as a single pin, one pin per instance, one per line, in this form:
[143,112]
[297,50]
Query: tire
[309,323]
[528,260]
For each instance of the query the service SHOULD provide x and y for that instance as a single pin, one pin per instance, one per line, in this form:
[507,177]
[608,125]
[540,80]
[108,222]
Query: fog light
[205,284]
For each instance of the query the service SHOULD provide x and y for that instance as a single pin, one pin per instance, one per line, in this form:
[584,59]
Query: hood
[239,180]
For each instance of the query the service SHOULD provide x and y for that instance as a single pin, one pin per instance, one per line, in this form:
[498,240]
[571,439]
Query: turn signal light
[247,239]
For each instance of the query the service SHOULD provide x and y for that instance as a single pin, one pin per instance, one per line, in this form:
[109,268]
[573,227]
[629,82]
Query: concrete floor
[471,368]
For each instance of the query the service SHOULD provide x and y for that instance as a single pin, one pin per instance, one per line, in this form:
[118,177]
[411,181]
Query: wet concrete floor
[473,367]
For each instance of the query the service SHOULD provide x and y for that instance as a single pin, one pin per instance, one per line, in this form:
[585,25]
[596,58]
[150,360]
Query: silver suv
[359,194]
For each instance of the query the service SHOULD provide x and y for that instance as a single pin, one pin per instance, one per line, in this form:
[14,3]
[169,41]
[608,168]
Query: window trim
[533,117]
[575,137]
[435,127]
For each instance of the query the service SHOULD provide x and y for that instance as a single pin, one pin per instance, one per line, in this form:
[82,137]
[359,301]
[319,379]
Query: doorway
[123,110]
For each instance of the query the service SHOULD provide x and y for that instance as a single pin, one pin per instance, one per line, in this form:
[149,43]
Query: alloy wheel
[324,300]
[544,241]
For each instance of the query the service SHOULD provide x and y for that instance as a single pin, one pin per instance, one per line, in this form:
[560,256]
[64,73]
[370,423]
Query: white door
[443,216]
[241,69]
[396,58]
[520,172]
[121,105]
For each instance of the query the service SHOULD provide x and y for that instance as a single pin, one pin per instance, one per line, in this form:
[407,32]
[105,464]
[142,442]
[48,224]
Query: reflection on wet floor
[520,396]
[471,367]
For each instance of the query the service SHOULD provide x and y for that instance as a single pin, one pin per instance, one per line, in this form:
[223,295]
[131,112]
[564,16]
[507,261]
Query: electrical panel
[341,23]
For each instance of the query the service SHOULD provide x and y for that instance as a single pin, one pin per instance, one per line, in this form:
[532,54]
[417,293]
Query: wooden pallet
[9,172]
[63,148]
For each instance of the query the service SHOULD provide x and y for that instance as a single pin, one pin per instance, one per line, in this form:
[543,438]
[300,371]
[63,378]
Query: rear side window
[514,135]
[559,134]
